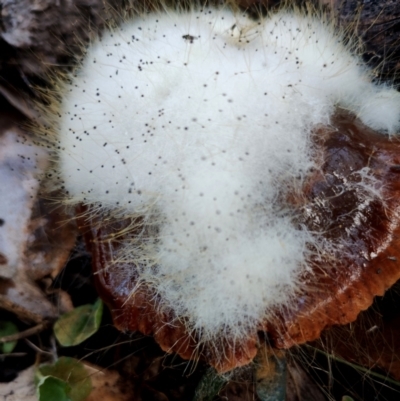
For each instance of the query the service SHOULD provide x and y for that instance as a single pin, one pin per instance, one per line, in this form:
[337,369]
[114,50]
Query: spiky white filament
[201,122]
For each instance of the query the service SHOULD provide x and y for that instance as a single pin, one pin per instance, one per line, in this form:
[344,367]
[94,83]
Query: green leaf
[50,388]
[7,329]
[347,398]
[78,325]
[65,380]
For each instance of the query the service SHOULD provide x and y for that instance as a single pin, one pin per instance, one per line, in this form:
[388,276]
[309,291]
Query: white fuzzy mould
[201,122]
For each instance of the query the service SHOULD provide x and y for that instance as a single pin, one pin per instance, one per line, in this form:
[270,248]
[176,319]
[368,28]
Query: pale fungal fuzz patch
[201,122]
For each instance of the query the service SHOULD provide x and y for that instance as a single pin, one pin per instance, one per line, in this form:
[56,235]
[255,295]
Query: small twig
[20,311]
[36,348]
[53,347]
[13,354]
[26,333]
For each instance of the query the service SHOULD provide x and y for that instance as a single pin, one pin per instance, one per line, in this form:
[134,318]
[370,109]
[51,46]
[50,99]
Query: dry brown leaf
[41,34]
[108,385]
[21,163]
[22,388]
[35,241]
[300,386]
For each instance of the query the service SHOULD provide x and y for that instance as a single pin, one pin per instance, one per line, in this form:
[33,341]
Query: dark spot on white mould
[189,38]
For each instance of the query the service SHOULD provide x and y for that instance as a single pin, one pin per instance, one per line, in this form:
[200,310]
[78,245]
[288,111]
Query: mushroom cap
[336,287]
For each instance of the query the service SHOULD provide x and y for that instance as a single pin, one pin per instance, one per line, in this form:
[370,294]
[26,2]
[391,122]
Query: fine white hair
[200,122]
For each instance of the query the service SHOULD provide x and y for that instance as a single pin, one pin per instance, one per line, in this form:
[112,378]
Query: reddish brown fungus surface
[338,286]
[341,288]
